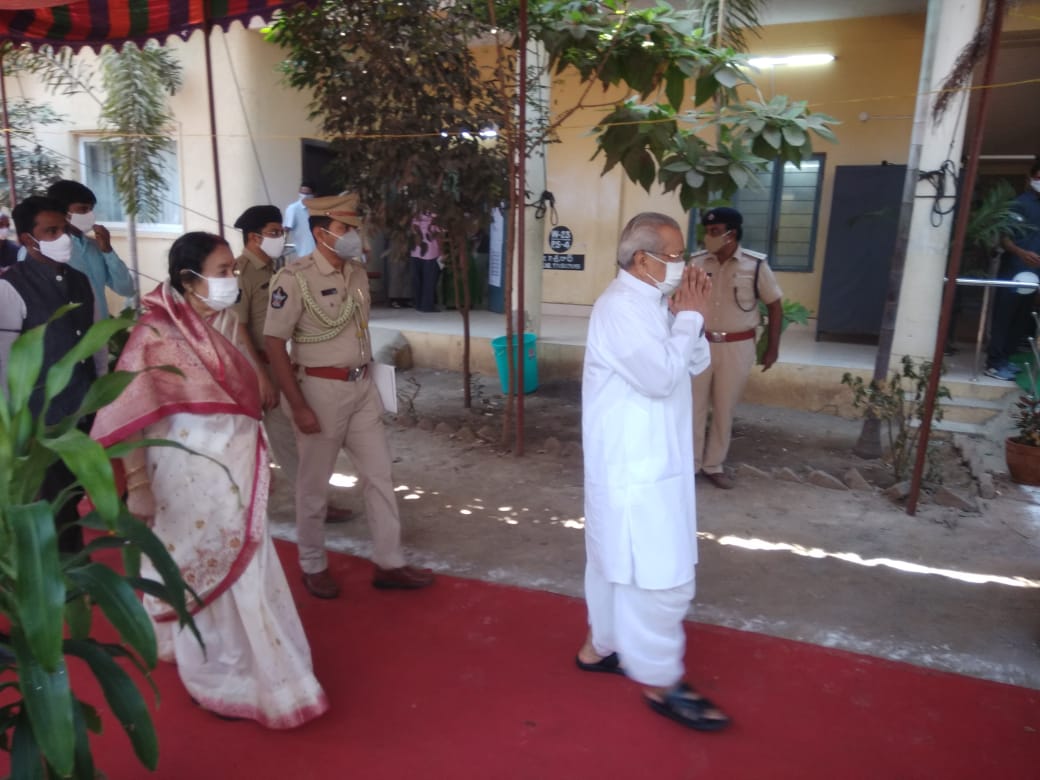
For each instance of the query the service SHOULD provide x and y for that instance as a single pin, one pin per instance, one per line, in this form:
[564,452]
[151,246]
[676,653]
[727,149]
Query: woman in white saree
[256,662]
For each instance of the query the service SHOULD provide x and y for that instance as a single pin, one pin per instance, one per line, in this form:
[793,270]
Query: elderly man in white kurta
[646,338]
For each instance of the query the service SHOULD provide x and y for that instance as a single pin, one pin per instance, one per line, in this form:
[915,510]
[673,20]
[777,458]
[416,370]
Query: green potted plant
[48,601]
[1023,449]
[792,312]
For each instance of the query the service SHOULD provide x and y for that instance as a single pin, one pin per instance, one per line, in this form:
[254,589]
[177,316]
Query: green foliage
[899,405]
[1027,420]
[658,51]
[1027,416]
[793,312]
[136,82]
[46,600]
[133,83]
[402,100]
[995,217]
[35,166]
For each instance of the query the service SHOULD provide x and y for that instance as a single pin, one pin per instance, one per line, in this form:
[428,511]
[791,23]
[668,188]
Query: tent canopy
[94,23]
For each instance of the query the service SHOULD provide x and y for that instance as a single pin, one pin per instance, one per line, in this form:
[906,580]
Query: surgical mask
[272,246]
[5,233]
[223,291]
[306,195]
[672,275]
[82,222]
[59,250]
[714,243]
[348,245]
[1035,184]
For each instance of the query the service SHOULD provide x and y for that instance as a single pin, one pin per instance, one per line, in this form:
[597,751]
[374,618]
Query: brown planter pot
[1023,462]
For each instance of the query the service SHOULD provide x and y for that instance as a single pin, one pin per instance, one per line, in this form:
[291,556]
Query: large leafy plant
[47,600]
[706,151]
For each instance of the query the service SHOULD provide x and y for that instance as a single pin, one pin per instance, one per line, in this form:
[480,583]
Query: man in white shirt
[297,223]
[646,338]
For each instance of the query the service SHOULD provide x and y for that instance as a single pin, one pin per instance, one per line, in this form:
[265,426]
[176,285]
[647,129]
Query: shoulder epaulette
[753,254]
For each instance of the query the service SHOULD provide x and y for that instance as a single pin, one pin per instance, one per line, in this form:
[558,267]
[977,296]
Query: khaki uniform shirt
[254,280]
[290,319]
[733,306]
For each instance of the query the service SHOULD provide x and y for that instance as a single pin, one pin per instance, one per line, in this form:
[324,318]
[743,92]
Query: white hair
[643,231]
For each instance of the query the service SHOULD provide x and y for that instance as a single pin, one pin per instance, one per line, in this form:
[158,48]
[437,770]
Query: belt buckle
[355,373]
[717,336]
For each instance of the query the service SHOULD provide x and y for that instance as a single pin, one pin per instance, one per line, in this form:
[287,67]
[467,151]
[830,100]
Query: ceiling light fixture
[793,59]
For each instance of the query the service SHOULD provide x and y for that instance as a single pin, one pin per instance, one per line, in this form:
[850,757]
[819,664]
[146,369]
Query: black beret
[255,217]
[722,215]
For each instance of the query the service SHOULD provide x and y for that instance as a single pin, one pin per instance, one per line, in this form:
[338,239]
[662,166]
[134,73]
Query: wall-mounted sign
[551,262]
[560,238]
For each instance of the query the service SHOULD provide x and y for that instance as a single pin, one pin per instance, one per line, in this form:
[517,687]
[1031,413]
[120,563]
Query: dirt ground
[949,588]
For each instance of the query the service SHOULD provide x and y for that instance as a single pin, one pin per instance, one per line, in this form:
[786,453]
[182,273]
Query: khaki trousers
[720,387]
[351,418]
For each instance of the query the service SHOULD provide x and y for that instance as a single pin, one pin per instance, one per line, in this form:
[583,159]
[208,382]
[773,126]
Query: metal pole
[960,229]
[521,146]
[207,29]
[8,154]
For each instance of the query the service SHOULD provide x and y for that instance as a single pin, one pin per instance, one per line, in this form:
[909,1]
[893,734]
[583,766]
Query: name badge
[330,291]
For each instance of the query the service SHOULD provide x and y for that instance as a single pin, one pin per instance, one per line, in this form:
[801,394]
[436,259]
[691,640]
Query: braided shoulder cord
[335,326]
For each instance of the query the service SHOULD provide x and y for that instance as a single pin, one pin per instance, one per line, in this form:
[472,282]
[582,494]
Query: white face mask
[672,275]
[306,195]
[347,246]
[714,243]
[1035,184]
[223,291]
[5,233]
[272,246]
[82,222]
[59,250]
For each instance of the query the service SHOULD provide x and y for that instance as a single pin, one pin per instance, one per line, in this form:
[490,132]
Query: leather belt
[720,336]
[342,374]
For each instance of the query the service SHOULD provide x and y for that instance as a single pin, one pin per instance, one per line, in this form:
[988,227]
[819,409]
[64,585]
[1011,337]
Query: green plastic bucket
[530,358]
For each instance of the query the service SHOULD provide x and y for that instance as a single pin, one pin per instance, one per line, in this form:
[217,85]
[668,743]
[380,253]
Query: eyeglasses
[274,233]
[674,257]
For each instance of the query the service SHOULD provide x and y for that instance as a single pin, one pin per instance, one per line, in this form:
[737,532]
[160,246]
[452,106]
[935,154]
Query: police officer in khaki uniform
[740,279]
[264,241]
[321,304]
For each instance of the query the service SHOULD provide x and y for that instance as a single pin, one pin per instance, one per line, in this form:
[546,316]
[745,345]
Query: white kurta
[637,433]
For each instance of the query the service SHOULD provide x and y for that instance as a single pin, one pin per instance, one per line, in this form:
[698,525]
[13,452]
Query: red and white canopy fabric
[94,23]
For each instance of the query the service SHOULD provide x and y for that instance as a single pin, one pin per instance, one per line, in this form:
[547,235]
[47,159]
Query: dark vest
[45,288]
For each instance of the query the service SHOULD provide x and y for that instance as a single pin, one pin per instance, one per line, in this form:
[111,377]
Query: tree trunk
[462,303]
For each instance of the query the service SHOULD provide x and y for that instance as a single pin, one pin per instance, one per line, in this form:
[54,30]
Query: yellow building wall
[875,72]
[259,126]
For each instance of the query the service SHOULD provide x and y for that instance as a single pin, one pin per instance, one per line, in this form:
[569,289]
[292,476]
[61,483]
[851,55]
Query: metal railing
[988,285]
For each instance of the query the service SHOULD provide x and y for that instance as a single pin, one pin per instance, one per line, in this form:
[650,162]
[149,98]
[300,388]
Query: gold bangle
[143,482]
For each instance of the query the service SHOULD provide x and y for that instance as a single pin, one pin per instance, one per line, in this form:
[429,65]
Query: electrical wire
[546,202]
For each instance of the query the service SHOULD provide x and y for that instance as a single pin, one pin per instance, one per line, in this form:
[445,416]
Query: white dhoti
[644,627]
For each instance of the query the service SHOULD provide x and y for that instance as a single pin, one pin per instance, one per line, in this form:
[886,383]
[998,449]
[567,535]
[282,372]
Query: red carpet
[471,680]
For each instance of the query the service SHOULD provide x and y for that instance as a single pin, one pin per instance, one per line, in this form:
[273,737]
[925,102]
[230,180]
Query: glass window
[96,166]
[780,218]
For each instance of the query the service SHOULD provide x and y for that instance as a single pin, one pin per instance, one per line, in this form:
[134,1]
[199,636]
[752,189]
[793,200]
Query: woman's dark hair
[187,255]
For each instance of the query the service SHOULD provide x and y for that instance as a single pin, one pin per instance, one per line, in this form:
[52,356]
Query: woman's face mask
[223,291]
